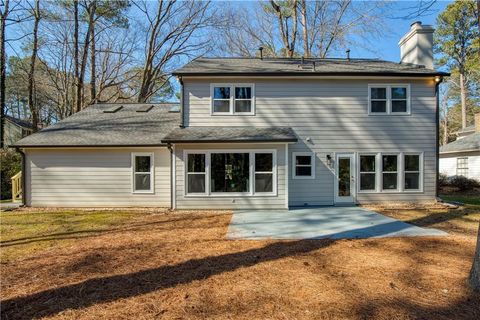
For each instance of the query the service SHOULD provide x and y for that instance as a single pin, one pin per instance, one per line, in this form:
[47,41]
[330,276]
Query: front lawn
[467,199]
[159,264]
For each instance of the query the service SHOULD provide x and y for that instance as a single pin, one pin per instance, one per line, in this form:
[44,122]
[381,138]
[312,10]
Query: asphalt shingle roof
[294,66]
[230,134]
[93,127]
[468,143]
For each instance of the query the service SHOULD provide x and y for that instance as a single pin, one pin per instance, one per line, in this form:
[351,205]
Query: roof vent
[145,108]
[112,109]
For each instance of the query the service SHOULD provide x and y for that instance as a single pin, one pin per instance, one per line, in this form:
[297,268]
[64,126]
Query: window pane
[379,106]
[196,183]
[243,93]
[303,171]
[230,172]
[221,93]
[412,163]
[389,163]
[378,93]
[303,160]
[389,181]
[367,181]
[221,106]
[344,177]
[399,93]
[399,106]
[263,162]
[263,182]
[412,181]
[367,163]
[142,163]
[243,106]
[196,163]
[142,181]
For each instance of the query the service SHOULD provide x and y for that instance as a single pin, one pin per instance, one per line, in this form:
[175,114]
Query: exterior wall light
[438,79]
[329,160]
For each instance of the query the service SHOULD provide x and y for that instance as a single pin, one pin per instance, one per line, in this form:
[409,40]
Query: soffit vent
[112,109]
[145,108]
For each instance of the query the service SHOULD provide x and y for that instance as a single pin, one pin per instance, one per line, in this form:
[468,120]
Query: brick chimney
[417,45]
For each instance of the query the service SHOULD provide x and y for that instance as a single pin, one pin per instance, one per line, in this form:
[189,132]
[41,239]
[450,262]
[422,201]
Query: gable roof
[469,143]
[295,67]
[230,134]
[128,126]
[19,122]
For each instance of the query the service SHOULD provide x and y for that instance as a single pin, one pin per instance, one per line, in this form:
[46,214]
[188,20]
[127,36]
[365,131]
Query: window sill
[389,192]
[235,195]
[143,192]
[232,114]
[303,177]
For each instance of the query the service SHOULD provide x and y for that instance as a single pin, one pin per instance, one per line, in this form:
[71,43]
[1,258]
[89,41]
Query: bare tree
[75,55]
[34,112]
[286,13]
[3,20]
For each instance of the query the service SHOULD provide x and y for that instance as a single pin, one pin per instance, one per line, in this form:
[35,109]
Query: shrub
[10,164]
[442,180]
[462,183]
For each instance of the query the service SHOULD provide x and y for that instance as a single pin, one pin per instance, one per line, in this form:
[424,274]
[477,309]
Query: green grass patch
[467,199]
[24,233]
[5,200]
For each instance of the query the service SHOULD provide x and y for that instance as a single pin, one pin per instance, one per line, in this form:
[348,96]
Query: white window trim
[251,192]
[152,172]
[294,164]
[207,170]
[388,87]
[400,172]
[375,173]
[420,172]
[457,168]
[232,87]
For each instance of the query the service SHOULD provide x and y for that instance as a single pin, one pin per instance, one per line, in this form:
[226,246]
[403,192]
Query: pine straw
[179,265]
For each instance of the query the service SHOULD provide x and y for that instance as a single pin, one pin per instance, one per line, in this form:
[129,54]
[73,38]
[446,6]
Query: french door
[345,178]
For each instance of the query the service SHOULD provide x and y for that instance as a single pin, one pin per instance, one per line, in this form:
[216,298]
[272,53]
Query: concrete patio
[320,223]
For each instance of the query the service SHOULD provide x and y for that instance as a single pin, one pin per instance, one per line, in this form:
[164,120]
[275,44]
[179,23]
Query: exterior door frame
[353,170]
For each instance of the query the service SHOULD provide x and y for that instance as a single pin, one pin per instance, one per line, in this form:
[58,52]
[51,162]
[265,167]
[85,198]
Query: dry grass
[179,265]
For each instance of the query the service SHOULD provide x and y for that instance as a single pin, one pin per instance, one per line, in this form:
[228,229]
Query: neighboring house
[15,129]
[254,133]
[462,156]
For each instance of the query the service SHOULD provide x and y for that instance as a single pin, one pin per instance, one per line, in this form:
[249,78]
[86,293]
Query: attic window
[112,109]
[145,108]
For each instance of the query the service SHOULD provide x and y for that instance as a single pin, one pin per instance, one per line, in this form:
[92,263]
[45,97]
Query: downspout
[438,80]
[24,173]
[169,146]
[182,101]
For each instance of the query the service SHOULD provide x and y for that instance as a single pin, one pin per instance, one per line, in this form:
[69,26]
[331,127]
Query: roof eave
[36,146]
[289,140]
[272,74]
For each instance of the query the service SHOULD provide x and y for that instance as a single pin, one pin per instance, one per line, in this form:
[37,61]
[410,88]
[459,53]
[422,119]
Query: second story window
[232,99]
[389,99]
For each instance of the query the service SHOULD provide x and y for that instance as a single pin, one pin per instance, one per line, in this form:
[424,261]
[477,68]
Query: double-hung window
[389,99]
[389,172]
[462,166]
[232,99]
[304,167]
[411,163]
[142,165]
[367,172]
[220,173]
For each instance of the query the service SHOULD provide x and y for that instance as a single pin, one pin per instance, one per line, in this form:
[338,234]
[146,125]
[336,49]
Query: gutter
[232,141]
[92,146]
[320,74]
[24,173]
[169,146]
[182,103]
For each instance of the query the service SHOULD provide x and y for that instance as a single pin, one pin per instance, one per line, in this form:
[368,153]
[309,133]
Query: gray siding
[229,202]
[92,178]
[334,115]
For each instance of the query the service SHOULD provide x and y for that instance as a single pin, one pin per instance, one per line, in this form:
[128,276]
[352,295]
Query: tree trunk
[463,99]
[83,63]
[3,70]
[93,84]
[31,74]
[75,58]
[445,131]
[303,12]
[474,278]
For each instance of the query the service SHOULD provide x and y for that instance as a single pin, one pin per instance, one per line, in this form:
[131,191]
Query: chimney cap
[416,23]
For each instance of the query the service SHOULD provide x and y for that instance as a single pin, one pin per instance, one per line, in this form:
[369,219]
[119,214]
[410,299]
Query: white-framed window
[390,165]
[389,99]
[196,173]
[412,167]
[462,166]
[230,173]
[142,172]
[232,99]
[368,172]
[304,165]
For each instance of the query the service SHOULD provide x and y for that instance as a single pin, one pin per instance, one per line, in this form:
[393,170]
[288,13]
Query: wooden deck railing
[17,187]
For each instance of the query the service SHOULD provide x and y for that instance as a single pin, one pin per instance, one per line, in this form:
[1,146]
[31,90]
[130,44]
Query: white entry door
[344,178]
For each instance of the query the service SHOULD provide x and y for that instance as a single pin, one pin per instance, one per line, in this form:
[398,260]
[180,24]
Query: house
[15,129]
[254,133]
[462,156]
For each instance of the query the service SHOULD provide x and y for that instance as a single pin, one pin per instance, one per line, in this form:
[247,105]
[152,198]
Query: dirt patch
[179,265]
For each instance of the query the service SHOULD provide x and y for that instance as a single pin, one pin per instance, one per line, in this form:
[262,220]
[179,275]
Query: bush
[442,180]
[462,183]
[10,164]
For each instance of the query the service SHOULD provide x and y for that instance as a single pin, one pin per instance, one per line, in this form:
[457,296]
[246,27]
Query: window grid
[389,172]
[135,173]
[389,99]
[374,173]
[462,166]
[311,165]
[405,171]
[232,99]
